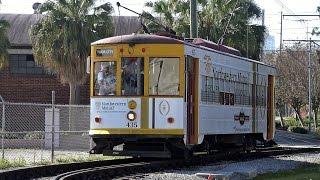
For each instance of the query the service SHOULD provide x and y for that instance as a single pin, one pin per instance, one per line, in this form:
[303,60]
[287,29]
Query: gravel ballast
[241,170]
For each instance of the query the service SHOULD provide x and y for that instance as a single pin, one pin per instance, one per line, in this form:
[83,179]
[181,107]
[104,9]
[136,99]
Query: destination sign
[104,52]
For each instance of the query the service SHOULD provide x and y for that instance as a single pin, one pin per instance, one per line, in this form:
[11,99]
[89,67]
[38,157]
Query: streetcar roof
[228,54]
[156,39]
[138,39]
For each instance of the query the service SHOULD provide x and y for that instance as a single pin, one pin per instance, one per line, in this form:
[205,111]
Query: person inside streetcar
[106,80]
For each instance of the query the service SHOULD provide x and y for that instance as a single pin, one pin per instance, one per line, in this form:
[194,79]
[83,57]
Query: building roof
[20,25]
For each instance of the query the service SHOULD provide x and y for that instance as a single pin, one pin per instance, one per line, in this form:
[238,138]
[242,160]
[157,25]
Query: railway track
[56,169]
[129,169]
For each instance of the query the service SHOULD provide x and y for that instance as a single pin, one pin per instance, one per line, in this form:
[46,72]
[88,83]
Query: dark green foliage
[213,21]
[318,131]
[278,126]
[296,129]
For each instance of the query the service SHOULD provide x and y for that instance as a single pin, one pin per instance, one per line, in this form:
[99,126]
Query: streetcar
[158,96]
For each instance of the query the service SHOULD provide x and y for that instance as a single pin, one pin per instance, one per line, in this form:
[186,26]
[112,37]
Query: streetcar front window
[164,76]
[105,78]
[132,76]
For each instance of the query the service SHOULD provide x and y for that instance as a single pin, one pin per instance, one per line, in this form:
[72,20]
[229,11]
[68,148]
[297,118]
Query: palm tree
[214,22]
[61,40]
[4,42]
[240,35]
[171,13]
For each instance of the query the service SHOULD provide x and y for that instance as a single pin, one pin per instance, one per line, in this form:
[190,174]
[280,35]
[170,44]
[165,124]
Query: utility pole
[262,45]
[193,19]
[247,36]
[309,74]
[281,35]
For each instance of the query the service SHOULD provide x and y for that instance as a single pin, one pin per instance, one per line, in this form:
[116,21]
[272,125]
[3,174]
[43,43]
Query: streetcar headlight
[131,116]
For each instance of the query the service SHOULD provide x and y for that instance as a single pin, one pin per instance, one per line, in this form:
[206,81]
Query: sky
[293,27]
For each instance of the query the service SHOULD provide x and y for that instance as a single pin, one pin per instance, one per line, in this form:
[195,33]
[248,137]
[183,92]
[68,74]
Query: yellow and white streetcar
[157,96]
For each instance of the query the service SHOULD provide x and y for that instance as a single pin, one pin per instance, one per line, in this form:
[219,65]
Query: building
[23,80]
[269,44]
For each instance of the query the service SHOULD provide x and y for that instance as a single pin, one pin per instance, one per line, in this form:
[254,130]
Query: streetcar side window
[204,91]
[105,78]
[164,76]
[210,89]
[132,76]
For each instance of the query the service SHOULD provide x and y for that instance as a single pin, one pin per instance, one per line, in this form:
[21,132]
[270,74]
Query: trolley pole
[52,130]
[193,19]
[309,84]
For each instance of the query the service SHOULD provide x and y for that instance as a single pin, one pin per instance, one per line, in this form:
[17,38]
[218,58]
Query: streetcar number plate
[132,124]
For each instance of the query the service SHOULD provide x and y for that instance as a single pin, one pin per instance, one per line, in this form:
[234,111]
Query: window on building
[24,64]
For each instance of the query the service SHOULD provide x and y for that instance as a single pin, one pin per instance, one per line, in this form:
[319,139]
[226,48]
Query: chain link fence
[27,130]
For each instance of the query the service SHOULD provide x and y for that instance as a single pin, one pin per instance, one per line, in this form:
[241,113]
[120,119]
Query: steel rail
[124,170]
[56,169]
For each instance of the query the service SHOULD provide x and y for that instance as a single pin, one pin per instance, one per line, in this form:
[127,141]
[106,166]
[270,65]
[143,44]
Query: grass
[5,164]
[71,159]
[311,172]
[20,162]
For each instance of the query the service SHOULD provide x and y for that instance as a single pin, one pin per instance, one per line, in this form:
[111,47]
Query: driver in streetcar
[106,81]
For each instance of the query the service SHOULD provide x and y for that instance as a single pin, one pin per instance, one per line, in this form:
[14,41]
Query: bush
[13,136]
[285,127]
[318,131]
[278,126]
[34,135]
[5,164]
[291,121]
[296,129]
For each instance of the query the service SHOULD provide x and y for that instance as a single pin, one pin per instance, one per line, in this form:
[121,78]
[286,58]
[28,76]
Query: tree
[4,43]
[280,89]
[292,79]
[315,87]
[171,13]
[61,40]
[217,20]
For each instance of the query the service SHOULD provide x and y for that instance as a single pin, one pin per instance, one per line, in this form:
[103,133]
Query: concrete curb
[237,175]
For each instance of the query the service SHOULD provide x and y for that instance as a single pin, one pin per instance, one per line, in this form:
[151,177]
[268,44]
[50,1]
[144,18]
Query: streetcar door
[191,99]
[270,108]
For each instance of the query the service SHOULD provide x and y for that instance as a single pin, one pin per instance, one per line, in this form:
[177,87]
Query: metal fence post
[52,130]
[3,122]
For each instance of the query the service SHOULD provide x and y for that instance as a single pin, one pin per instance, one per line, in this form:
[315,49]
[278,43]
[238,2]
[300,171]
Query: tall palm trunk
[299,116]
[315,111]
[74,93]
[282,119]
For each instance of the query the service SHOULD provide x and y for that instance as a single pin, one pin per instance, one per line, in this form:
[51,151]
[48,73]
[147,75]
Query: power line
[292,28]
[279,2]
